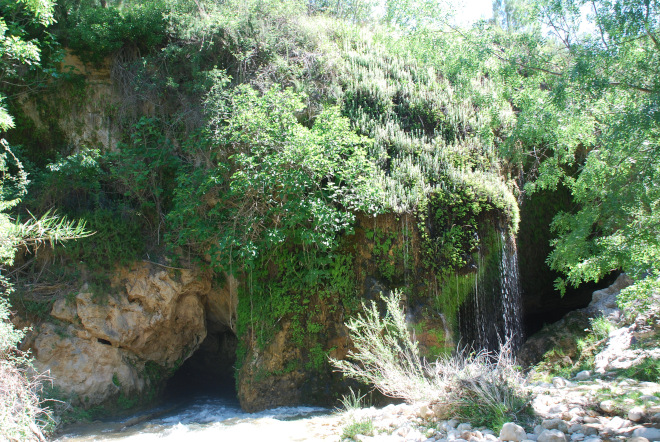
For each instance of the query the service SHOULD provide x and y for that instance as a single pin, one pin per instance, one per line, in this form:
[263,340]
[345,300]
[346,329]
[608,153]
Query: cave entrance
[209,371]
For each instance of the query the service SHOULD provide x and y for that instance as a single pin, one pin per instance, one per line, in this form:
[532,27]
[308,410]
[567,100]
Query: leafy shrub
[72,183]
[144,170]
[81,186]
[94,33]
[117,240]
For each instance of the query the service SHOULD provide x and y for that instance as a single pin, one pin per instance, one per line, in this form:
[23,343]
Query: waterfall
[492,312]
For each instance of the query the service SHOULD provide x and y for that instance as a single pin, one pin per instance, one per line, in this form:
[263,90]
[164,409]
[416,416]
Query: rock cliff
[99,346]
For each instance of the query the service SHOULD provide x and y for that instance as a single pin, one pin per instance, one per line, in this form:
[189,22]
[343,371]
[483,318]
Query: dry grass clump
[482,387]
[21,414]
[20,410]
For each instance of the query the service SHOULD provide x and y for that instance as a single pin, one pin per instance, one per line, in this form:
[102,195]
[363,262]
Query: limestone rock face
[604,301]
[89,122]
[85,369]
[221,305]
[153,316]
[258,392]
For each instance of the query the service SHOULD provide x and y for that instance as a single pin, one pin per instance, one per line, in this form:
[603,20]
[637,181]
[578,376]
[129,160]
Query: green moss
[453,294]
[390,254]
[288,287]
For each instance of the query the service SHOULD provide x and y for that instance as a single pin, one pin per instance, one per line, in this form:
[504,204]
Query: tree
[589,114]
[15,51]
[512,15]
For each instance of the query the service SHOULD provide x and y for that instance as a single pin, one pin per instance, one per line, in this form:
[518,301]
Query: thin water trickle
[492,314]
[511,296]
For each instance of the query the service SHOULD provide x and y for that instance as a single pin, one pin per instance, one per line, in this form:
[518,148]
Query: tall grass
[483,387]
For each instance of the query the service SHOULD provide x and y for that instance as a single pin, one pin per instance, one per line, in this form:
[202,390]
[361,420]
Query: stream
[206,418]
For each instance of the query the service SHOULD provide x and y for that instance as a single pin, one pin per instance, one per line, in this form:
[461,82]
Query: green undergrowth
[646,371]
[623,399]
[94,33]
[299,293]
[579,355]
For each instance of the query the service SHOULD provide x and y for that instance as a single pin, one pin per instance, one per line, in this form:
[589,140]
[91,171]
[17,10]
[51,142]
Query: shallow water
[203,418]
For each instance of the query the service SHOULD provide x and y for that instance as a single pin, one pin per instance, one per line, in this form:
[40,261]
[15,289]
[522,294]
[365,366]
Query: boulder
[551,436]
[607,406]
[512,432]
[652,434]
[555,424]
[583,375]
[636,414]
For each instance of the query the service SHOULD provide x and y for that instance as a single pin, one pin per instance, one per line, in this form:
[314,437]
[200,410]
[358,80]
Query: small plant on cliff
[482,387]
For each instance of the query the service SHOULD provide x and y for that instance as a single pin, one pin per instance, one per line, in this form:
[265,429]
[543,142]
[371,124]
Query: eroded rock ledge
[101,346]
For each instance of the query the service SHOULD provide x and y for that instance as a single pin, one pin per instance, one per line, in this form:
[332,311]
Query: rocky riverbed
[600,404]
[590,410]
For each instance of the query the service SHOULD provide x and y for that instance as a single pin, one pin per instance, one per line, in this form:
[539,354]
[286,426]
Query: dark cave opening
[209,371]
[542,303]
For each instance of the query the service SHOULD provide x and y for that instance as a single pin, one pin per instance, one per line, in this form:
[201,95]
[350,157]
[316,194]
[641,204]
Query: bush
[486,388]
[482,387]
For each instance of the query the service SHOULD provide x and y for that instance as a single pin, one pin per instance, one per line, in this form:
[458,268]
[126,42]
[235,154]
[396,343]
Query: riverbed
[205,418]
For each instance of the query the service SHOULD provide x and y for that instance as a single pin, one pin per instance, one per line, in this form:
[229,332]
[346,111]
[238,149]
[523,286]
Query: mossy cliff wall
[284,313]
